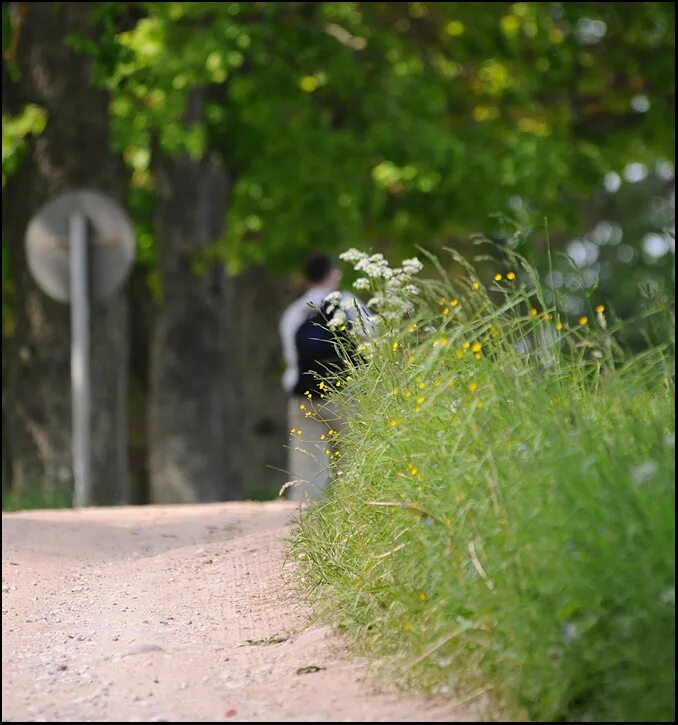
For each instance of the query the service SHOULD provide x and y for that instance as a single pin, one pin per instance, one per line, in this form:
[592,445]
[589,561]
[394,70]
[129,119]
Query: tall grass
[502,523]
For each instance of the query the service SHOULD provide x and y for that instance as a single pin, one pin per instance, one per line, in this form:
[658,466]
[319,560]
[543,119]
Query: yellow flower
[394,347]
[448,521]
[459,354]
[475,286]
[446,311]
[408,394]
[321,386]
[410,358]
[327,451]
[331,432]
[466,345]
[422,596]
[421,385]
[534,312]
[454,302]
[600,308]
[559,326]
[338,383]
[477,356]
[473,386]
[412,327]
[342,328]
[441,301]
[421,399]
[479,404]
[298,431]
[547,316]
[302,406]
[394,391]
[394,422]
[497,277]
[476,347]
[308,414]
[322,437]
[511,275]
[583,320]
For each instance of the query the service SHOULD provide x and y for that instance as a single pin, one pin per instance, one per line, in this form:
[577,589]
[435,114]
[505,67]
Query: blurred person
[310,352]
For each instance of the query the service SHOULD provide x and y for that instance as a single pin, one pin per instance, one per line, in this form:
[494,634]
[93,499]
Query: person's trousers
[313,429]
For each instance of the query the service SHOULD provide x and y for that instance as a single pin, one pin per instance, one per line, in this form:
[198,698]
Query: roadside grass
[35,498]
[501,527]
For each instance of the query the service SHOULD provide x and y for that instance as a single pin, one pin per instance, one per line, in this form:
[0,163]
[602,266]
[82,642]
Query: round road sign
[110,248]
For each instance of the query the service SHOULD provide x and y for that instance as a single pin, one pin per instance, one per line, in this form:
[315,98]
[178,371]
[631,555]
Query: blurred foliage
[389,124]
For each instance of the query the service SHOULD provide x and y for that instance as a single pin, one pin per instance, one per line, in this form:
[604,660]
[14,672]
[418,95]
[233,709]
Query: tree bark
[72,152]
[195,430]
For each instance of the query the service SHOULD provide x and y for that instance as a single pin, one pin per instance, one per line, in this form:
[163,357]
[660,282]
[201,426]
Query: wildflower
[497,277]
[534,312]
[333,298]
[321,386]
[412,266]
[421,399]
[394,347]
[475,286]
[327,451]
[600,308]
[302,406]
[410,359]
[479,404]
[448,521]
[408,394]
[417,409]
[421,385]
[394,422]
[583,320]
[338,383]
[459,354]
[394,391]
[477,356]
[441,301]
[446,311]
[476,347]
[473,387]
[559,326]
[511,275]
[466,345]
[298,431]
[422,596]
[412,327]
[547,316]
[322,437]
[454,302]
[308,414]
[331,432]
[442,341]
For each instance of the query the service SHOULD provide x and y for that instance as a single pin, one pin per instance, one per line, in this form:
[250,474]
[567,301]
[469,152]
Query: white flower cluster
[392,287]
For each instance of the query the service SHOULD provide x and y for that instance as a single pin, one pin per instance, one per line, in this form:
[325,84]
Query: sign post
[80,373]
[80,247]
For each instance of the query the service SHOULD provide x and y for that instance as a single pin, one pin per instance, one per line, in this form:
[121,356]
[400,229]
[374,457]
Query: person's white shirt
[294,317]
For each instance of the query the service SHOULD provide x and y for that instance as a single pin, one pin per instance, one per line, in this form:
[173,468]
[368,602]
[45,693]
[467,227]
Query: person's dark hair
[318,266]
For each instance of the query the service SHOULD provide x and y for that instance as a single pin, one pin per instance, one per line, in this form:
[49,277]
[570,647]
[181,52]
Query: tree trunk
[195,432]
[260,298]
[73,152]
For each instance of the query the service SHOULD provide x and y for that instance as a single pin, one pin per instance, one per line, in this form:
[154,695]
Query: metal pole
[80,379]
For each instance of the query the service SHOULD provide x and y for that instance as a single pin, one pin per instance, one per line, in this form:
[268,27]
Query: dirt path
[171,613]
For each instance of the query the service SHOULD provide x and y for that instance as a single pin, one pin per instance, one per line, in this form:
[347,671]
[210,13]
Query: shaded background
[240,136]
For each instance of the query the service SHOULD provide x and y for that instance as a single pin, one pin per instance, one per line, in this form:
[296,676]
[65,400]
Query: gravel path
[172,614]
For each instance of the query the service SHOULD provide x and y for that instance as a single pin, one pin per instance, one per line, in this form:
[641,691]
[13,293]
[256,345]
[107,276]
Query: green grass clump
[35,498]
[503,514]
